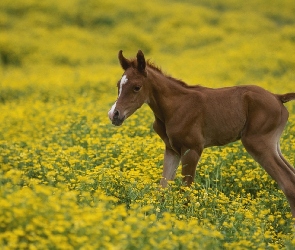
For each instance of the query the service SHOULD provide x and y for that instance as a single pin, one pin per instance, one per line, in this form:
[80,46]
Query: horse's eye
[136,88]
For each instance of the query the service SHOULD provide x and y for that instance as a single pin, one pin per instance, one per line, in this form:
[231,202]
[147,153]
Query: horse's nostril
[116,114]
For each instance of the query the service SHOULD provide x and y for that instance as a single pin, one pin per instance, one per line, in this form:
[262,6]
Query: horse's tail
[286,97]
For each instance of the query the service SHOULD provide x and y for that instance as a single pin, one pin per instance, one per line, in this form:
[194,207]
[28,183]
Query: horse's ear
[141,64]
[125,63]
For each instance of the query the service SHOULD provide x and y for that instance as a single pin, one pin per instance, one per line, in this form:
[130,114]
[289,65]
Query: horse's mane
[153,66]
[158,69]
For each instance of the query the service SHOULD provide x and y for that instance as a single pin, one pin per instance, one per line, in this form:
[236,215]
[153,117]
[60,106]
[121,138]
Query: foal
[191,118]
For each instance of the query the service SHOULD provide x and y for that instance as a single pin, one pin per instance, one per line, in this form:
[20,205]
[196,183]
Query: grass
[71,180]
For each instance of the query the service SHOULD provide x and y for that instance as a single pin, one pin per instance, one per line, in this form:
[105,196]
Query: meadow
[69,179]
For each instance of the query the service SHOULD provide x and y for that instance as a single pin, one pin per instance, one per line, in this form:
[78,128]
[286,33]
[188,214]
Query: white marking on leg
[171,162]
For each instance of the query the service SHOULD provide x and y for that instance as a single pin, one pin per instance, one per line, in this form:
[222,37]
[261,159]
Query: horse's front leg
[171,162]
[189,160]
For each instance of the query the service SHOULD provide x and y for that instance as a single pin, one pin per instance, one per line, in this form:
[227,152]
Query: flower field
[69,179]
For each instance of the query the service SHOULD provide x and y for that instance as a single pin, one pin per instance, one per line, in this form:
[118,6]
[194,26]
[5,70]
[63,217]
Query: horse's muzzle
[116,119]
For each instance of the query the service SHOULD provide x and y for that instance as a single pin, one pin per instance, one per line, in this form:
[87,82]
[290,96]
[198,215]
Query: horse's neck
[164,94]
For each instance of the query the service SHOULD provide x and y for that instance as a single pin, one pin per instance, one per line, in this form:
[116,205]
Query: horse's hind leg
[283,158]
[264,150]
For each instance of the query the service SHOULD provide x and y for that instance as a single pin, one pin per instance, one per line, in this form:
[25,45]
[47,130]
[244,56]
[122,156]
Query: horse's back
[228,110]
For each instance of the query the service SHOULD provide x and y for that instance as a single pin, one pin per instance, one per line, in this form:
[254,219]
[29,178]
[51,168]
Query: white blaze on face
[122,82]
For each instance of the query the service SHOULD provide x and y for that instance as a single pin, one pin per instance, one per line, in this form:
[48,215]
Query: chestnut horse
[191,118]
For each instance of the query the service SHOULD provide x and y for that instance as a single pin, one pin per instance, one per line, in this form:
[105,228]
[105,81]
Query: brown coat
[191,118]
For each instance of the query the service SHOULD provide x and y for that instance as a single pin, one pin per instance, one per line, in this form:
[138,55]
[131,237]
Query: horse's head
[132,92]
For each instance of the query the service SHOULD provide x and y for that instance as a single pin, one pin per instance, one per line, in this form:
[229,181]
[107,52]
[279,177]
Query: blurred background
[210,42]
